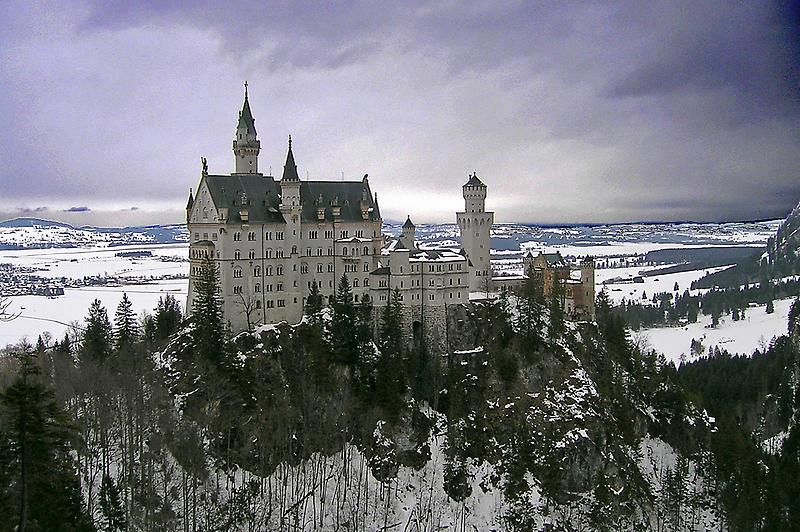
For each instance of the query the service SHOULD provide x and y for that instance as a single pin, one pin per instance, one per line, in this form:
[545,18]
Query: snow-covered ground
[743,336]
[617,291]
[39,314]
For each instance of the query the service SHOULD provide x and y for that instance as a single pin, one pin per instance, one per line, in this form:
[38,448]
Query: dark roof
[246,120]
[409,224]
[383,270]
[262,196]
[348,195]
[190,202]
[290,168]
[554,258]
[474,181]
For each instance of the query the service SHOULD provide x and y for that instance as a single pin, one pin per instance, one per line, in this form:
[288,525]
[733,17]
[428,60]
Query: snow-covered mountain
[34,233]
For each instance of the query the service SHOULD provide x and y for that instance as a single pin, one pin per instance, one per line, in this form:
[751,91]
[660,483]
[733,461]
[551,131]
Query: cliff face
[575,429]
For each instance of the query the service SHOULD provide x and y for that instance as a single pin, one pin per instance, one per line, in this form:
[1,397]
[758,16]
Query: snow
[743,336]
[617,291]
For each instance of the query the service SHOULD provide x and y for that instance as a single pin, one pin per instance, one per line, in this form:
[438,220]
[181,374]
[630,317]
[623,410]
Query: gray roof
[409,224]
[383,270]
[290,168]
[554,259]
[262,197]
[246,120]
[474,181]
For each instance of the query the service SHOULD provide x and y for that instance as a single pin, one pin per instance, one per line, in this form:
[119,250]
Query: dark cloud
[570,111]
[78,209]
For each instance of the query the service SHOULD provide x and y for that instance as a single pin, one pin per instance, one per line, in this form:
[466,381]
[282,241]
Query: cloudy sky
[569,111]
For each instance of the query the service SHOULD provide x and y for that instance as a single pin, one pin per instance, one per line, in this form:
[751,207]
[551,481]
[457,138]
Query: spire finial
[245,89]
[290,142]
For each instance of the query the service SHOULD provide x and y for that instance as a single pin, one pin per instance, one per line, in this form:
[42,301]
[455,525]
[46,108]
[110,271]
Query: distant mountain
[35,233]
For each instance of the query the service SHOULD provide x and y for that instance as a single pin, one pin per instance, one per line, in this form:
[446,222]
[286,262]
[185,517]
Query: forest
[168,422]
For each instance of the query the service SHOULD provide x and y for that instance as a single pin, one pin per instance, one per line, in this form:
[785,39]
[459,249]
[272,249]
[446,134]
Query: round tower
[409,231]
[475,226]
[246,145]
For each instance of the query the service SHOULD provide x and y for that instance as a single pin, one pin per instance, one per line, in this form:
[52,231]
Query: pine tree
[344,334]
[207,320]
[167,318]
[794,318]
[770,306]
[126,329]
[97,337]
[39,488]
[111,506]
[556,309]
[314,302]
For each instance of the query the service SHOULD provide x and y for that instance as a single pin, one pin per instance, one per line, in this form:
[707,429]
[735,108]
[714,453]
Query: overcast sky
[569,111]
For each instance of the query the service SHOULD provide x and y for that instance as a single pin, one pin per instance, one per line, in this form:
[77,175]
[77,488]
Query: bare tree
[248,306]
[5,313]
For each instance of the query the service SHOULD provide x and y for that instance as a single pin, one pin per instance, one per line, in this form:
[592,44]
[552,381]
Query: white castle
[273,239]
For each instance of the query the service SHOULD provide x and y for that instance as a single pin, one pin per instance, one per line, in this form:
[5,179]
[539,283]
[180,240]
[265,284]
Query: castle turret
[409,231]
[587,285]
[246,145]
[475,225]
[291,209]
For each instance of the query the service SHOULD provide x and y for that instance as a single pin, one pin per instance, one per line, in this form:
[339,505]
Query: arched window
[257,288]
[268,270]
[257,271]
[237,273]
[237,254]
[258,303]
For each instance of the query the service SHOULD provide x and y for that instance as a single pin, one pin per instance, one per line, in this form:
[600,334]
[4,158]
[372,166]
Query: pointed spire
[409,223]
[246,120]
[191,200]
[290,168]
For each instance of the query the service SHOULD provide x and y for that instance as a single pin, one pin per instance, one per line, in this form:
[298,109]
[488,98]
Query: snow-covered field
[617,291]
[742,337]
[144,279]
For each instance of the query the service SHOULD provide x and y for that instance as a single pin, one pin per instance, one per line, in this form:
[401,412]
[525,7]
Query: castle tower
[587,284]
[291,208]
[475,225]
[246,145]
[409,231]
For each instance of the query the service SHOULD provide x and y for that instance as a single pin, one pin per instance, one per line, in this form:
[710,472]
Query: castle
[273,239]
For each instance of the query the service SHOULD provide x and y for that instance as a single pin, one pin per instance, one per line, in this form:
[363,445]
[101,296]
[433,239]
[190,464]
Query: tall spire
[245,144]
[290,168]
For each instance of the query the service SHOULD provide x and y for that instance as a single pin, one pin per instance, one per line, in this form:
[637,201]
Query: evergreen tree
[556,309]
[126,329]
[314,301]
[770,306]
[97,337]
[167,318]
[111,508]
[207,319]
[39,488]
[794,318]
[344,329]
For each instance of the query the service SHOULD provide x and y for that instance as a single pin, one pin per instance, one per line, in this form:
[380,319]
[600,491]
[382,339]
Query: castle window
[268,270]
[279,270]
[257,288]
[237,255]
[258,304]
[366,281]
[268,287]
[257,271]
[366,250]
[308,252]
[366,266]
[268,253]
[344,251]
[251,236]
[278,235]
[237,289]
[237,236]
[197,236]
[237,273]
[330,267]
[281,302]
[320,267]
[343,234]
[360,233]
[356,298]
[401,269]
[319,252]
[252,254]
[312,235]
[355,283]
[279,287]
[432,297]
[270,304]
[304,268]
[330,251]
[328,234]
